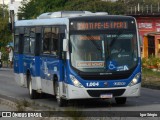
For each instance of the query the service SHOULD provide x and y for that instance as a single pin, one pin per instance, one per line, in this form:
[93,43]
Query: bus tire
[32,93]
[61,102]
[121,100]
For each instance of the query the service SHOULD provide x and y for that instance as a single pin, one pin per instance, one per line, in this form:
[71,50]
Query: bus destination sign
[99,25]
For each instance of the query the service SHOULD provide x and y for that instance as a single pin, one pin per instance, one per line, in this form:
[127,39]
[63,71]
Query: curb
[11,69]
[12,103]
[8,103]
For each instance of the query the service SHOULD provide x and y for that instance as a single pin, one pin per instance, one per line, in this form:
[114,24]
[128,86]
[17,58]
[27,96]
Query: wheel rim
[57,92]
[30,88]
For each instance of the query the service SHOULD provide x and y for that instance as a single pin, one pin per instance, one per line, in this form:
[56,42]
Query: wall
[149,27]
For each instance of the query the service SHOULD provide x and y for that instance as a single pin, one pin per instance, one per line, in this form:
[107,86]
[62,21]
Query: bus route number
[92,84]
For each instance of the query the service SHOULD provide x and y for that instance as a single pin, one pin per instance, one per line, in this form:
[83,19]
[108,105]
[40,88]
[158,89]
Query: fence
[144,9]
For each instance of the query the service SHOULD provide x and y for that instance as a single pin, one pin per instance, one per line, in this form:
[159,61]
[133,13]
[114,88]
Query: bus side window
[50,40]
[54,41]
[32,40]
[16,41]
[38,41]
[46,39]
[26,41]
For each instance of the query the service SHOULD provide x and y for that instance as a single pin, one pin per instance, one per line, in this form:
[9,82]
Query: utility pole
[12,19]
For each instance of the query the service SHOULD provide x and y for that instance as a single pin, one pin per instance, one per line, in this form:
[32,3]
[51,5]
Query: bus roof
[63,17]
[38,22]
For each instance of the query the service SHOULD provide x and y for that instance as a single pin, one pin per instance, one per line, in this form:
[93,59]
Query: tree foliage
[33,8]
[5,34]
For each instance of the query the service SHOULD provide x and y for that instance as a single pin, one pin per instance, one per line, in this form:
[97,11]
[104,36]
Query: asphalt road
[148,101]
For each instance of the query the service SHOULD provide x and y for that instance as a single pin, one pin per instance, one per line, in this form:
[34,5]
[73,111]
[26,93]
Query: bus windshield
[104,52]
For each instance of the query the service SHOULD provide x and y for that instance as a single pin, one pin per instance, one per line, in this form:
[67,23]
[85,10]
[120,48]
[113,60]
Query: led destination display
[99,25]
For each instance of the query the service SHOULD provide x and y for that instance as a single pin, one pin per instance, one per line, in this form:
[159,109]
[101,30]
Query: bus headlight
[135,79]
[75,81]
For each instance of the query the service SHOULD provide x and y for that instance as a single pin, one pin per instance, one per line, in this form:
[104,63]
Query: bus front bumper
[86,93]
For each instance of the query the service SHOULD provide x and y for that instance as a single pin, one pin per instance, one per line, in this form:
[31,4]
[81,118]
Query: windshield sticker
[89,64]
[90,37]
[112,65]
[122,55]
[122,68]
[123,36]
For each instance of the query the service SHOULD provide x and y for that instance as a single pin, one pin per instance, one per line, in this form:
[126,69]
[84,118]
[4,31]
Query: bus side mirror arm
[65,45]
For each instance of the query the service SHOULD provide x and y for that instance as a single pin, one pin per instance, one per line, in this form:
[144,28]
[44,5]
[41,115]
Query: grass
[150,78]
[20,106]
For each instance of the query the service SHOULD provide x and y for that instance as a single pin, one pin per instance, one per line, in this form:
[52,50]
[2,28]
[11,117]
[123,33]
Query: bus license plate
[106,96]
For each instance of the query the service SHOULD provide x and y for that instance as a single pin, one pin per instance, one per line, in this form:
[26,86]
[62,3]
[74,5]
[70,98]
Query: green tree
[33,8]
[5,34]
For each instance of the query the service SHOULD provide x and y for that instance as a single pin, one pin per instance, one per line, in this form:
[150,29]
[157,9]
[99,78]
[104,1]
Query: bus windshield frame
[103,39]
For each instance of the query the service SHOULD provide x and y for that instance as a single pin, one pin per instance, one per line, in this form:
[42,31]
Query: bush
[151,62]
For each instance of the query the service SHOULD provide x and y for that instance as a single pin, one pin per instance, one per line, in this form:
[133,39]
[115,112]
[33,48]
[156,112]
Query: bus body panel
[36,84]
[31,66]
[19,78]
[50,67]
[18,69]
[31,63]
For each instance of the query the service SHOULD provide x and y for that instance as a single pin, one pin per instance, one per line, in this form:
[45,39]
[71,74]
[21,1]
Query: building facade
[13,5]
[149,31]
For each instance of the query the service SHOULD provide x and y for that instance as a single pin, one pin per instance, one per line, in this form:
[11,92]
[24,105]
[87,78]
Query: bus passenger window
[46,39]
[26,45]
[50,40]
[16,43]
[26,41]
[46,45]
[32,45]
[32,40]
[54,41]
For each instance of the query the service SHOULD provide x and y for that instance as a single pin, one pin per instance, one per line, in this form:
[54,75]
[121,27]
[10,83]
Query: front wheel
[61,102]
[121,100]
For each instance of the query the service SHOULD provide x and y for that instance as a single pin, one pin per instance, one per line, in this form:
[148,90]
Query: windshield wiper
[114,39]
[95,44]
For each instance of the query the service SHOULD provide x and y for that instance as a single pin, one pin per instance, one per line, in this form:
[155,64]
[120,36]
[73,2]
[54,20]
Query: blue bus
[78,55]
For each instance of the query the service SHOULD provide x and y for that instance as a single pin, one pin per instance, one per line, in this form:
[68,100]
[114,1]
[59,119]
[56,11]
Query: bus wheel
[61,102]
[121,100]
[32,93]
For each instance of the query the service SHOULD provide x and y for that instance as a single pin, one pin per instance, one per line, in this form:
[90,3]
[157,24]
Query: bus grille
[97,93]
[106,77]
